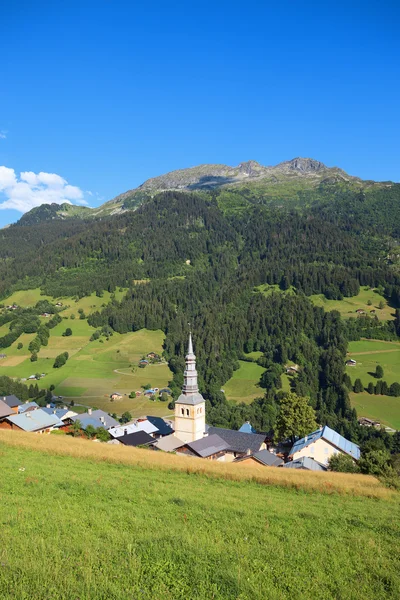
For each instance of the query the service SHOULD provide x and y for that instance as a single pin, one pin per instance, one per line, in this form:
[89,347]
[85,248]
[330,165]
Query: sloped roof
[162,426]
[267,458]
[331,436]
[239,441]
[11,401]
[5,410]
[61,413]
[94,419]
[247,428]
[35,420]
[207,446]
[191,399]
[169,443]
[27,406]
[306,463]
[141,438]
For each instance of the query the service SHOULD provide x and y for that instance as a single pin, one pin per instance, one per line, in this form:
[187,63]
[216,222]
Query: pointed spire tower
[190,414]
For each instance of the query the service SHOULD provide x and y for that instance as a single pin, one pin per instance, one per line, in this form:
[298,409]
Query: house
[373,311]
[116,396]
[64,414]
[360,311]
[141,438]
[322,444]
[153,356]
[143,363]
[292,369]
[96,418]
[150,392]
[134,427]
[169,443]
[165,391]
[304,463]
[28,406]
[247,428]
[263,457]
[368,422]
[162,427]
[3,355]
[37,421]
[59,304]
[211,447]
[5,411]
[240,443]
[12,401]
[351,362]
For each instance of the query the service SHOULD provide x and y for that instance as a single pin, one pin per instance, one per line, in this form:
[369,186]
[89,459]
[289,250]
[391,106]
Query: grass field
[95,369]
[369,354]
[123,524]
[348,306]
[243,385]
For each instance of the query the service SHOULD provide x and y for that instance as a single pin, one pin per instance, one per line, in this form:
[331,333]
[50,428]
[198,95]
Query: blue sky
[95,97]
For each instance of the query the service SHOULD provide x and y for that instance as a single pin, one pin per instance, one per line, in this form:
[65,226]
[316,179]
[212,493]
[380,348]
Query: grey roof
[191,399]
[27,406]
[11,401]
[207,446]
[169,443]
[267,458]
[162,426]
[305,463]
[94,419]
[239,441]
[35,420]
[5,410]
[141,438]
[331,436]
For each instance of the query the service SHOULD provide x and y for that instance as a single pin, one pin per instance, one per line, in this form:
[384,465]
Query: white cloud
[33,189]
[3,135]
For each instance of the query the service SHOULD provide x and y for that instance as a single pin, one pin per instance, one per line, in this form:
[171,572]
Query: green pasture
[79,528]
[243,385]
[90,374]
[385,409]
[348,306]
[369,354]
[26,298]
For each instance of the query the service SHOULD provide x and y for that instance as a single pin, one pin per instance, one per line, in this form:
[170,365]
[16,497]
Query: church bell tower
[190,411]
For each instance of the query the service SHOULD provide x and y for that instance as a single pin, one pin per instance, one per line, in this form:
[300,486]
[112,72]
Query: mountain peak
[304,165]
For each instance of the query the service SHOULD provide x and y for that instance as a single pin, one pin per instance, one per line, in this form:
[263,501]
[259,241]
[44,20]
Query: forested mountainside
[199,257]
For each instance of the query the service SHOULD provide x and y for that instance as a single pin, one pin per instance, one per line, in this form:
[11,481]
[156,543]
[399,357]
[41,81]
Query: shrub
[342,463]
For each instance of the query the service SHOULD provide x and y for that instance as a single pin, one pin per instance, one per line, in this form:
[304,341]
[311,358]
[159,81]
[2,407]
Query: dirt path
[373,352]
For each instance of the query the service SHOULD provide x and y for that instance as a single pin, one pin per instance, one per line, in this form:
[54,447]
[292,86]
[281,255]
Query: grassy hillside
[244,384]
[369,354]
[348,306]
[79,526]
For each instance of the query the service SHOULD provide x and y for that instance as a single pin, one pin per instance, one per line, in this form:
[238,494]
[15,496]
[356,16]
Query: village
[187,434]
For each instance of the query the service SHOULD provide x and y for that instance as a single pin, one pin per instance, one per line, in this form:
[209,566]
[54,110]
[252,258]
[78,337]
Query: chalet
[134,427]
[165,391]
[368,422]
[59,304]
[5,411]
[140,438]
[115,396]
[28,406]
[360,311]
[351,362]
[153,356]
[305,463]
[239,443]
[373,311]
[169,443]
[13,402]
[322,444]
[263,457]
[163,428]
[3,355]
[64,414]
[96,418]
[211,447]
[143,363]
[37,421]
[292,369]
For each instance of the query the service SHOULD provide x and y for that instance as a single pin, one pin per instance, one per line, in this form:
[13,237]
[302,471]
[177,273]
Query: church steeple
[190,410]
[190,385]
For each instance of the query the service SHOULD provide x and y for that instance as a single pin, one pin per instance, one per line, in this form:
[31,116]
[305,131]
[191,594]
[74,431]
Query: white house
[322,444]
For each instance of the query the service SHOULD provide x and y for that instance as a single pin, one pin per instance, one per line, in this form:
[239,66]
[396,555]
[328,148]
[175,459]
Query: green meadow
[244,384]
[90,529]
[369,354]
[348,306]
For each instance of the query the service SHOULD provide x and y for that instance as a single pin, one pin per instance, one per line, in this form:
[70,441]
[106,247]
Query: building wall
[190,422]
[320,450]
[5,425]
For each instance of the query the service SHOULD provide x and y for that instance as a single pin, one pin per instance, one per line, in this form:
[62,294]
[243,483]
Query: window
[183,411]
[326,449]
[187,412]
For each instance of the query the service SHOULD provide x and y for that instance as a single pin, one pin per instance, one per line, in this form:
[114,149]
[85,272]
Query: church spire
[190,384]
